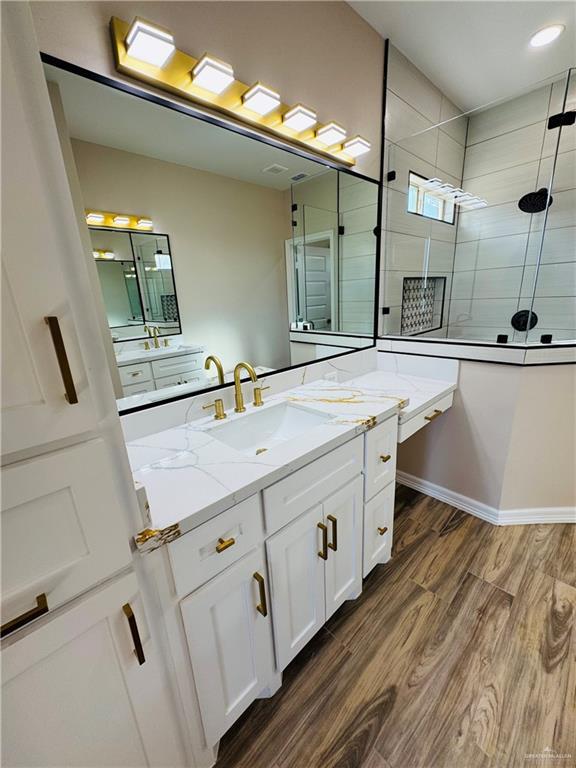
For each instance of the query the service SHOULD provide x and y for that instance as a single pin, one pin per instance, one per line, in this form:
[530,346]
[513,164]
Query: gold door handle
[262,607]
[69,388]
[25,618]
[334,543]
[323,553]
[225,544]
[382,531]
[433,415]
[138,650]
[385,458]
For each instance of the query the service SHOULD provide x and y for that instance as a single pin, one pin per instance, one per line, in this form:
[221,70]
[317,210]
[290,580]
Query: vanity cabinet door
[75,694]
[380,457]
[343,516]
[296,584]
[378,525]
[230,642]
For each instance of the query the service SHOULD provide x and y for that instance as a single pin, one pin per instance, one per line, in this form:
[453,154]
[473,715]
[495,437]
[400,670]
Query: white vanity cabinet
[315,565]
[75,694]
[160,372]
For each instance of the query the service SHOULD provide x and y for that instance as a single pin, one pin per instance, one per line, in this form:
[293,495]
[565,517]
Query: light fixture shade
[212,75]
[546,36]
[300,118]
[149,43]
[144,224]
[261,99]
[331,134]
[121,221]
[357,146]
[108,255]
[95,218]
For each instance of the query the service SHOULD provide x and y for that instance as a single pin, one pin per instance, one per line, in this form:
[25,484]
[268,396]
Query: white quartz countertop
[148,355]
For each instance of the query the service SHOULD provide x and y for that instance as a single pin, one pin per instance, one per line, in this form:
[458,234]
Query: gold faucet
[219,412]
[155,336]
[238,386]
[218,363]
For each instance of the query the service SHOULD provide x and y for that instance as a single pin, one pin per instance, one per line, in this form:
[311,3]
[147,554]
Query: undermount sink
[260,431]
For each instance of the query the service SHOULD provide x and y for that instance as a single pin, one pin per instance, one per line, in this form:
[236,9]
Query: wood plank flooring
[460,653]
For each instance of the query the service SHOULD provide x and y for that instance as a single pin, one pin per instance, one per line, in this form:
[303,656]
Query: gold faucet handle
[218,406]
[258,396]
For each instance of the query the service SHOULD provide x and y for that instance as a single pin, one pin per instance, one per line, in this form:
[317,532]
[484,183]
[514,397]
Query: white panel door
[230,642]
[35,409]
[62,527]
[74,694]
[296,584]
[378,527]
[343,517]
[380,456]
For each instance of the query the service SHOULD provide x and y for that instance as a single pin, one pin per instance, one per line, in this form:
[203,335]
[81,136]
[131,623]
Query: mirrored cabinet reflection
[137,282]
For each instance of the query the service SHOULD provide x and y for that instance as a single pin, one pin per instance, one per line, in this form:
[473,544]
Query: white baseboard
[485,512]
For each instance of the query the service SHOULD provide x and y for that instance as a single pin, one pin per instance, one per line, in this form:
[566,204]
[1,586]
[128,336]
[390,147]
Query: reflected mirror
[267,255]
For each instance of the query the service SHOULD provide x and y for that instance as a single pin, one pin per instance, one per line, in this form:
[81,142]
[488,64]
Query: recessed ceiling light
[546,35]
[212,75]
[261,99]
[331,134]
[149,43]
[357,146]
[299,118]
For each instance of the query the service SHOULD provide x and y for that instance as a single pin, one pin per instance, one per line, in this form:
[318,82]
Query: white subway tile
[509,251]
[515,148]
[505,186]
[509,115]
[411,85]
[450,156]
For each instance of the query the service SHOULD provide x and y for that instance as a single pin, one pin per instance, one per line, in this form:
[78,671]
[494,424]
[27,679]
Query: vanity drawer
[380,457]
[408,428]
[378,515]
[194,556]
[289,498]
[194,377]
[138,389]
[134,374]
[169,366]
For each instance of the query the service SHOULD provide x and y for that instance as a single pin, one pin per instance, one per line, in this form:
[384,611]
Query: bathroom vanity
[148,370]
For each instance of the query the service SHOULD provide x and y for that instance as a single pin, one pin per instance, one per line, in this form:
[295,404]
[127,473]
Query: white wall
[227,239]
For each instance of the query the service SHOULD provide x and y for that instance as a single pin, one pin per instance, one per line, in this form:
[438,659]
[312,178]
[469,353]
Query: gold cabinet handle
[69,388]
[433,415]
[225,544]
[334,543]
[262,607]
[385,458]
[134,374]
[25,618]
[138,650]
[323,553]
[382,531]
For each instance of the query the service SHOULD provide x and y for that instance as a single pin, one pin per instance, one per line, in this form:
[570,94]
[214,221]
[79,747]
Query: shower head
[535,202]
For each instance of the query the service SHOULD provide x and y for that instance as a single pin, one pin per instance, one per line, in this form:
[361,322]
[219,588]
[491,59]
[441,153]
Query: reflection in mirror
[269,256]
[491,257]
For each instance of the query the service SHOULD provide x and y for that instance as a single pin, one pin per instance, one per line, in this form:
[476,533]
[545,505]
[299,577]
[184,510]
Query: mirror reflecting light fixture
[212,75]
[144,224]
[299,118]
[95,218]
[356,146]
[331,134]
[121,221]
[149,43]
[261,99]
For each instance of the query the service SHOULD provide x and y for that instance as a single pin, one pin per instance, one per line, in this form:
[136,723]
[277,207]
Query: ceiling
[103,115]
[476,52]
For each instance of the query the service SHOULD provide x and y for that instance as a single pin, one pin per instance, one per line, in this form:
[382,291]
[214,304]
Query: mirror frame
[191,111]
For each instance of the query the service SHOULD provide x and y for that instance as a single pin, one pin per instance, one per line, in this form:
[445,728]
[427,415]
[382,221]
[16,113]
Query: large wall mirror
[253,252]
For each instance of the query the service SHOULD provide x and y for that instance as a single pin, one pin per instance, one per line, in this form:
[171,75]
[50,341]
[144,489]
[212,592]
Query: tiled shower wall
[414,246]
[509,152]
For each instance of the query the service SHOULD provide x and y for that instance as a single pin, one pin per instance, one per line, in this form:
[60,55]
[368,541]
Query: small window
[426,203]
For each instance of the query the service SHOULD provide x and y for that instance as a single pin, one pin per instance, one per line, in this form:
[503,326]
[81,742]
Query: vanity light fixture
[102,254]
[149,43]
[121,221]
[95,218]
[299,118]
[547,35]
[212,74]
[356,146]
[331,134]
[144,224]
[261,99]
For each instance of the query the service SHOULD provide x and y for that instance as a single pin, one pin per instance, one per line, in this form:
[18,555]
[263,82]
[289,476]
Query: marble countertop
[148,355]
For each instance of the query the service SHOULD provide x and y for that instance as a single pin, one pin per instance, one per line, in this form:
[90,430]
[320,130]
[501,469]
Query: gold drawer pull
[385,458]
[433,415]
[323,553]
[225,544]
[25,618]
[138,650]
[262,607]
[382,531]
[69,388]
[136,373]
[334,543]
